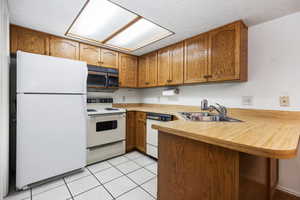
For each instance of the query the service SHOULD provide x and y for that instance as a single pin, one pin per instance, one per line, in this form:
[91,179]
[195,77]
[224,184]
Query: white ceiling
[184,17]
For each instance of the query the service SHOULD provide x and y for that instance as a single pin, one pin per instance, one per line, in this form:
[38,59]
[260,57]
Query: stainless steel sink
[206,117]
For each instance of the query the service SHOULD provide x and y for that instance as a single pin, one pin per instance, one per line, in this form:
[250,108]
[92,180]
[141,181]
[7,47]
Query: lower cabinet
[136,131]
[141,131]
[130,131]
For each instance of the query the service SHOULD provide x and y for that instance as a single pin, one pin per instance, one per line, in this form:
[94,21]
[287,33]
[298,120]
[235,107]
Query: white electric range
[106,130]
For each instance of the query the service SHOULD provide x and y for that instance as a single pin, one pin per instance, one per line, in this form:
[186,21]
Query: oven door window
[96,80]
[106,125]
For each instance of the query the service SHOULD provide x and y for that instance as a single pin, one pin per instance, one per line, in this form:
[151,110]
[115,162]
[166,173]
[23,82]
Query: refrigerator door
[51,136]
[46,74]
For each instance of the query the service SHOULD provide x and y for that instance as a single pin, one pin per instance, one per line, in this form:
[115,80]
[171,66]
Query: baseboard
[288,190]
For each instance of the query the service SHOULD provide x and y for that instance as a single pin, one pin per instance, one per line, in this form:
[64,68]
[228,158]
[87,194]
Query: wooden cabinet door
[64,48]
[163,74]
[29,41]
[176,64]
[143,68]
[128,70]
[90,54]
[224,53]
[109,58]
[141,131]
[130,131]
[196,59]
[152,69]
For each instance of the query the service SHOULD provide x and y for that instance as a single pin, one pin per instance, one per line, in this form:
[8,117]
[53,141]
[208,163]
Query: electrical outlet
[247,100]
[284,101]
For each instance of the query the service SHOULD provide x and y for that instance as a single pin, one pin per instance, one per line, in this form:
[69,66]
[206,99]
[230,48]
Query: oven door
[105,129]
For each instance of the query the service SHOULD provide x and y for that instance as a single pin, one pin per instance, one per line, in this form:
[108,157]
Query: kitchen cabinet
[196,59]
[228,53]
[163,73]
[176,64]
[170,65]
[90,54]
[141,131]
[130,131]
[147,70]
[142,69]
[64,48]
[109,58]
[99,57]
[128,71]
[28,41]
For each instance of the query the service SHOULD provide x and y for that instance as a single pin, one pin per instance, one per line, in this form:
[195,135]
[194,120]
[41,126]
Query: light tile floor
[132,176]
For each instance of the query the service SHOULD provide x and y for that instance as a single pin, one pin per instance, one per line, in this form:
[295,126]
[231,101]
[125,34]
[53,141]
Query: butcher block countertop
[266,133]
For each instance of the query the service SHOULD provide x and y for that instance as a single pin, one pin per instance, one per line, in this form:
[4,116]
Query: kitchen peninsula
[222,160]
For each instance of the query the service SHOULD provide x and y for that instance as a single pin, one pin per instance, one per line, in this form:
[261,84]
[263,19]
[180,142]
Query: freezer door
[47,74]
[51,136]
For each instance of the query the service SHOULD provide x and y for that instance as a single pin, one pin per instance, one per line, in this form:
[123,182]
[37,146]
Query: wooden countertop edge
[259,151]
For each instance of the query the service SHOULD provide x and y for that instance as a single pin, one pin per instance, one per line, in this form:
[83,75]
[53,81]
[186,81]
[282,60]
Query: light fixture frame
[103,43]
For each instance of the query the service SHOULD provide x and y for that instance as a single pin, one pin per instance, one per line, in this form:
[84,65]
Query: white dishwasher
[152,134]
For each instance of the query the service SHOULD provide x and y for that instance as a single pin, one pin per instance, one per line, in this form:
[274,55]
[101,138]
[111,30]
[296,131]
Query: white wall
[4,98]
[274,70]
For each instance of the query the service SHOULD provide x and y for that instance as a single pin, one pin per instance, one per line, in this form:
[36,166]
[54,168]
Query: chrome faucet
[222,110]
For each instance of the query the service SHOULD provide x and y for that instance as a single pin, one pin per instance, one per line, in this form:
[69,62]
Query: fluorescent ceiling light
[140,34]
[106,23]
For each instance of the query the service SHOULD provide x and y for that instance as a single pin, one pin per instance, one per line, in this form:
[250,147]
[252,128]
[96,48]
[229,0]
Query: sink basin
[206,117]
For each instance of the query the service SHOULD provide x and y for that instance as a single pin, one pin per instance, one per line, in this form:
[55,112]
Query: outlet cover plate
[284,101]
[247,100]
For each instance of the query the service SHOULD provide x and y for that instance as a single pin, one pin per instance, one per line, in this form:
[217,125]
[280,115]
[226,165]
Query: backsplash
[122,95]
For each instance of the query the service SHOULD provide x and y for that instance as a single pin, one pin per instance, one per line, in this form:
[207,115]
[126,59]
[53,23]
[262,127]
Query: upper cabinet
[176,64]
[147,70]
[109,58]
[28,40]
[196,59]
[163,71]
[128,70]
[90,54]
[142,72]
[228,53]
[170,65]
[64,48]
[99,57]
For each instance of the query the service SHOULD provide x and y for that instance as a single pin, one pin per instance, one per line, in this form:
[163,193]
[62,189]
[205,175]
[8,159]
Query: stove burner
[91,110]
[111,109]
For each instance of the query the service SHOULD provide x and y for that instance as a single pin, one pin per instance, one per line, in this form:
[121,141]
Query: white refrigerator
[51,117]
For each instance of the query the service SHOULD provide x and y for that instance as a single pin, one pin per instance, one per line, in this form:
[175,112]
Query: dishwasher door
[152,138]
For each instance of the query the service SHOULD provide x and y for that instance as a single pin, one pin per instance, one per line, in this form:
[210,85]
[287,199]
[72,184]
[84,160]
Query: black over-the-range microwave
[102,78]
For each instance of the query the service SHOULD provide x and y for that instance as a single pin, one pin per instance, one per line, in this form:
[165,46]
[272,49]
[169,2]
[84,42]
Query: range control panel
[100,100]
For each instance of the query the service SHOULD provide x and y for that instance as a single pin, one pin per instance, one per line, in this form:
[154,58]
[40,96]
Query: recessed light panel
[106,23]
[139,34]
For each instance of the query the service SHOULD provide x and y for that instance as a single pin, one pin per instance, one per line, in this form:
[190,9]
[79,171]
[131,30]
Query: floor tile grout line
[102,184]
[145,165]
[47,190]
[72,197]
[139,185]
